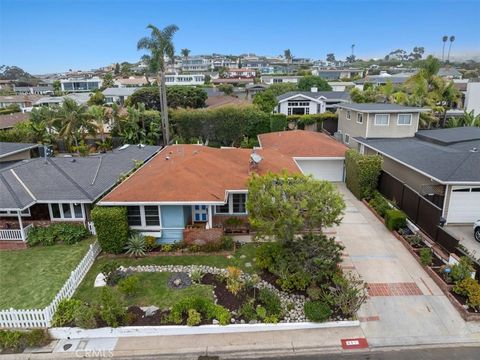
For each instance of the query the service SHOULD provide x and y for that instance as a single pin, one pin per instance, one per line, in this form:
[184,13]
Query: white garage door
[331,170]
[464,205]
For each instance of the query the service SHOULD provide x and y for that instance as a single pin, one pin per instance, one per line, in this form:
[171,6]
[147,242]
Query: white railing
[41,318]
[15,234]
[91,228]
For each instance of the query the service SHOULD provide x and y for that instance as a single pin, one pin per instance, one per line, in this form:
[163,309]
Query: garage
[464,205]
[322,169]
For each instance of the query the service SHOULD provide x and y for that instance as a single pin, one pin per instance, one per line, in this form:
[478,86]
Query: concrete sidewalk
[381,260]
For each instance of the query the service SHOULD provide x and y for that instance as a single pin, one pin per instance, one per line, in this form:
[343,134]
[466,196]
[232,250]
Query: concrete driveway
[404,306]
[464,233]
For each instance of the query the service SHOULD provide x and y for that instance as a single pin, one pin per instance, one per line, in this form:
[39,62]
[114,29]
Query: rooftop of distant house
[11,148]
[381,107]
[10,120]
[328,95]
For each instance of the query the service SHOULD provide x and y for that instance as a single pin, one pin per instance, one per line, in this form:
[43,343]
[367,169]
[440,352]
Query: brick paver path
[393,289]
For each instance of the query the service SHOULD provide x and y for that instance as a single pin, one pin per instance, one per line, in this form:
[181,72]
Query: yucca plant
[136,245]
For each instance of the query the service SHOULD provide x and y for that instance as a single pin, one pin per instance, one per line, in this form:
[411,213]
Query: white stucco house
[310,102]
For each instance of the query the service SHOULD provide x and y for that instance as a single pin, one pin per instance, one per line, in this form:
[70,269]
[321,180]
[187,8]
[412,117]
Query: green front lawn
[154,289]
[30,278]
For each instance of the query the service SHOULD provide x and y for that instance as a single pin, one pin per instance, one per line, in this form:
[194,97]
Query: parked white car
[476,230]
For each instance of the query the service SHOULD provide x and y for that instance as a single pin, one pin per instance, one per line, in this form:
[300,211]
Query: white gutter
[18,151]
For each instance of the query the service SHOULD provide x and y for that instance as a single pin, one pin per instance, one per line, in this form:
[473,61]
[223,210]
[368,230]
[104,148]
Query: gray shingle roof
[447,163]
[330,95]
[450,136]
[126,91]
[8,148]
[81,179]
[382,80]
[380,107]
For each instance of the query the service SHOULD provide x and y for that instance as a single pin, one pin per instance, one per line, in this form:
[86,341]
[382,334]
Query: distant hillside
[17,74]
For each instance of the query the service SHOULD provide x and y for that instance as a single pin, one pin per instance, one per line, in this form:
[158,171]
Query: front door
[200,213]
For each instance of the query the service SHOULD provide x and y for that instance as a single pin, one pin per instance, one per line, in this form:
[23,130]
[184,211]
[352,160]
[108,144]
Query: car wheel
[477,234]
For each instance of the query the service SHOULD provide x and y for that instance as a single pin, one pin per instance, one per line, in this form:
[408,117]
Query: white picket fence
[91,228]
[41,318]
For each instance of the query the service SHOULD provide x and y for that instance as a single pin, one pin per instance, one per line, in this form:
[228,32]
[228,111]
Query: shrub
[150,243]
[271,302]
[379,204]
[233,222]
[317,311]
[85,317]
[261,312]
[129,286]
[41,236]
[196,276]
[111,308]
[415,239]
[69,233]
[362,173]
[168,247]
[278,122]
[247,311]
[111,226]
[227,242]
[111,272]
[395,219]
[314,292]
[234,281]
[471,289]
[65,314]
[268,255]
[426,257]
[348,293]
[136,245]
[194,318]
[205,307]
[462,270]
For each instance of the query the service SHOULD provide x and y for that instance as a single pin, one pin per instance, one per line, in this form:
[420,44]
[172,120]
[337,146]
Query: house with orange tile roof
[195,186]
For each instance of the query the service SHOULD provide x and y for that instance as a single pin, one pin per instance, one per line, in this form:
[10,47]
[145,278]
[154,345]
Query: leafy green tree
[282,88]
[107,81]
[126,69]
[287,54]
[227,89]
[331,57]
[117,69]
[177,96]
[307,82]
[160,45]
[265,101]
[96,99]
[57,87]
[284,205]
[97,114]
[185,53]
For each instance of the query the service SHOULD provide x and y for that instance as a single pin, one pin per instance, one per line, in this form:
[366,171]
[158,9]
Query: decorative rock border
[292,304]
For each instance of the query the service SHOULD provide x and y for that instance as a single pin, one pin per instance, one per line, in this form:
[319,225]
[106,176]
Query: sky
[43,36]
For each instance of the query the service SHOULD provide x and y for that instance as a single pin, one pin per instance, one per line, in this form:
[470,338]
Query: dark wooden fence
[421,211]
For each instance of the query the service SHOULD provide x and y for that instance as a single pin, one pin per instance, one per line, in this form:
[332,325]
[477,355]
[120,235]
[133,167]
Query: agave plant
[136,245]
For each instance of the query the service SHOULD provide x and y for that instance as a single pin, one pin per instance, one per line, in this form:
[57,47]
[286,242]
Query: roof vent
[123,147]
[167,157]
[140,146]
[474,150]
[255,158]
[73,160]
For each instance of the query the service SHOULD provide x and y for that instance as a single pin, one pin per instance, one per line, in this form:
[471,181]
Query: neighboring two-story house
[310,102]
[374,120]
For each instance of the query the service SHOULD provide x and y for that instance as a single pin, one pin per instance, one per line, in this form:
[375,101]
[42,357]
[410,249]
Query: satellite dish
[256,158]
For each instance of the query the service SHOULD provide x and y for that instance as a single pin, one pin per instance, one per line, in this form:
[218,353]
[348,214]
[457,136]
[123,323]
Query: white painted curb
[129,331]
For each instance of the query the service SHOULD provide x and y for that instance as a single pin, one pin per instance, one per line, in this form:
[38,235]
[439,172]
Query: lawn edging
[170,330]
[446,288]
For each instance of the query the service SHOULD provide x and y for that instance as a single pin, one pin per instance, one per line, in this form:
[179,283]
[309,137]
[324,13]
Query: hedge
[111,225]
[362,173]
[278,122]
[395,219]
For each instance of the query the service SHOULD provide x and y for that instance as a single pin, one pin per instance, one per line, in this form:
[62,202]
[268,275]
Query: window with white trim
[382,119]
[360,118]
[66,211]
[236,205]
[349,115]
[144,216]
[23,213]
[404,119]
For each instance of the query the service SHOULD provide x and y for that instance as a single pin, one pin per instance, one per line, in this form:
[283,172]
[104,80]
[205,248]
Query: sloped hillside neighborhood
[241,204]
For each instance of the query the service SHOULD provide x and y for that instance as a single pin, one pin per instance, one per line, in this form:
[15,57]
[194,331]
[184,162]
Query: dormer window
[404,119]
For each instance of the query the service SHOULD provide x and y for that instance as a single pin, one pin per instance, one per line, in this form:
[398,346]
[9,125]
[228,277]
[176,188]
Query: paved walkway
[406,306]
[464,233]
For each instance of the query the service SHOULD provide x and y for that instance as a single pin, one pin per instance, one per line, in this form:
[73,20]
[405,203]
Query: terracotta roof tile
[300,143]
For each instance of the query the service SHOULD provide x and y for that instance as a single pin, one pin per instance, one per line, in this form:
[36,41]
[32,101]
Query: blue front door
[200,213]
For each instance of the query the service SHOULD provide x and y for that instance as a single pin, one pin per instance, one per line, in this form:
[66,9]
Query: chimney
[314,89]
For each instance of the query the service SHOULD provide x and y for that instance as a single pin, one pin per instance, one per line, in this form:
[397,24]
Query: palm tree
[73,120]
[444,39]
[288,55]
[160,45]
[452,39]
[185,53]
[97,114]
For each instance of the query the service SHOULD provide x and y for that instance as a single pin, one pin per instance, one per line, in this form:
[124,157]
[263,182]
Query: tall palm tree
[160,46]
[444,39]
[452,39]
[73,120]
[97,114]
[185,53]
[288,55]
